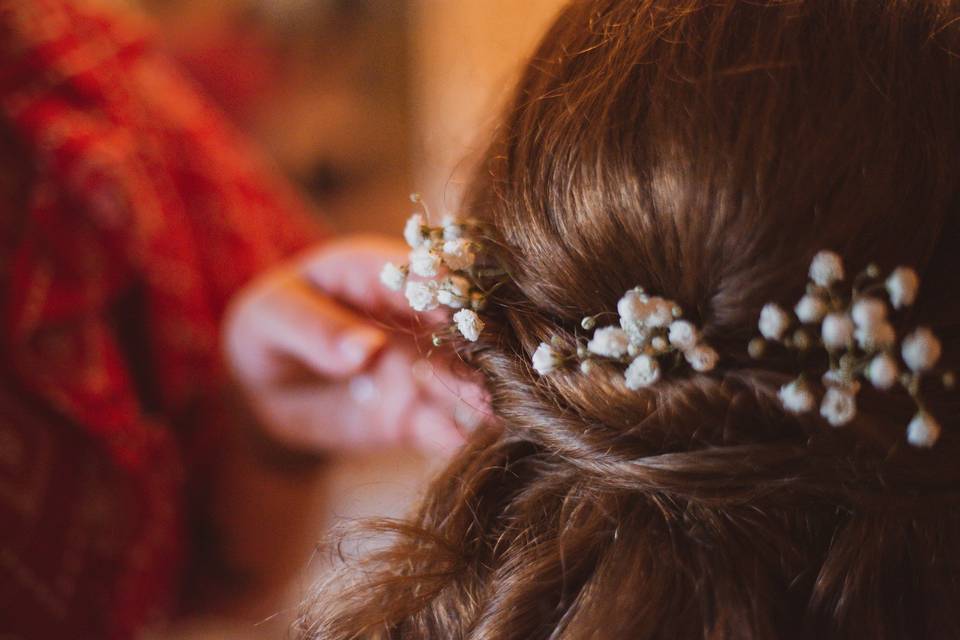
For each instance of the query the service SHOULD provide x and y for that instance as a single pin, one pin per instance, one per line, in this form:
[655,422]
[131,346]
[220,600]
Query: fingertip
[358,345]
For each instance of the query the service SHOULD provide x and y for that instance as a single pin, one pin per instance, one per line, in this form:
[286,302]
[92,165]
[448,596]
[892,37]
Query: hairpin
[652,335]
[861,343]
[445,268]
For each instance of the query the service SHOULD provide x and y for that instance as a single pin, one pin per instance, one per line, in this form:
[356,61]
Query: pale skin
[327,359]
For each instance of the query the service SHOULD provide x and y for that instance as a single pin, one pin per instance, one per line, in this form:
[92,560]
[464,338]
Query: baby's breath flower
[683,335]
[810,309]
[422,296]
[839,406]
[826,268]
[642,372]
[702,358]
[458,254]
[921,350]
[923,430]
[878,337]
[469,324]
[393,277]
[883,371]
[610,342]
[837,331]
[452,229]
[659,312]
[413,231]
[774,322]
[454,292]
[546,359]
[902,286]
[868,312]
[633,305]
[796,397]
[424,262]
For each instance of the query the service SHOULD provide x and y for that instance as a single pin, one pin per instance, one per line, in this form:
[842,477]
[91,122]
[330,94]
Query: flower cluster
[854,329]
[442,270]
[651,334]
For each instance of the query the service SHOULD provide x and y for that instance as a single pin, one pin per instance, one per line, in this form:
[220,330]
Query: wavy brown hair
[706,150]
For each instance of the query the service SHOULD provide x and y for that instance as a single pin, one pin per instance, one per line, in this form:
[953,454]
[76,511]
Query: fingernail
[357,345]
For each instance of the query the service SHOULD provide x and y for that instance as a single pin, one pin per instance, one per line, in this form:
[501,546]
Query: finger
[434,430]
[328,418]
[349,270]
[326,337]
[463,394]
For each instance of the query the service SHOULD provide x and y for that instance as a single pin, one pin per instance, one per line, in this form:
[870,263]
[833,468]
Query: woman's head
[705,150]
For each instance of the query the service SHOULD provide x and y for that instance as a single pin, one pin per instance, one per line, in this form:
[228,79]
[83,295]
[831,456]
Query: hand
[327,357]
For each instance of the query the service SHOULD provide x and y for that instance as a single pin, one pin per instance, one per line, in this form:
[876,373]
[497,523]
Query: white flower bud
[393,277]
[702,358]
[424,262]
[837,331]
[546,359]
[642,372]
[923,430]
[921,350]
[458,254]
[452,229]
[796,397]
[811,309]
[902,286]
[659,312]
[422,296]
[610,342]
[633,306]
[774,322]
[454,292]
[469,324]
[883,371]
[826,268]
[683,335]
[413,230]
[868,312]
[876,338]
[839,406]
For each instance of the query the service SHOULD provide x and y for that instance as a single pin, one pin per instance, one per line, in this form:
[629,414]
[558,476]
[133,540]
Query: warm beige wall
[467,55]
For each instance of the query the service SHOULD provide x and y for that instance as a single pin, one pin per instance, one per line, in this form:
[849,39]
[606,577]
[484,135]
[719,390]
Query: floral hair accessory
[447,267]
[860,341]
[651,337]
[443,270]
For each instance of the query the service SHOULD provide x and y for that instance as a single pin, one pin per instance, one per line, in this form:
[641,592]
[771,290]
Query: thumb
[318,332]
[349,270]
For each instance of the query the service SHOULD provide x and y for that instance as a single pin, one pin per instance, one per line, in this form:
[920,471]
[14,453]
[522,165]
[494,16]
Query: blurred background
[359,103]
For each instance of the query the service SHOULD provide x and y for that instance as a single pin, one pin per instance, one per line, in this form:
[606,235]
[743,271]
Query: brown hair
[706,150]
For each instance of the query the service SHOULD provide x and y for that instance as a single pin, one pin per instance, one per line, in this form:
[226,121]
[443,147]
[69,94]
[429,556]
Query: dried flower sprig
[444,269]
[652,335]
[853,327]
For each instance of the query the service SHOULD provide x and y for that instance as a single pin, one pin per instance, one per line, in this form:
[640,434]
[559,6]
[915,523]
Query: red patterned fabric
[131,213]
